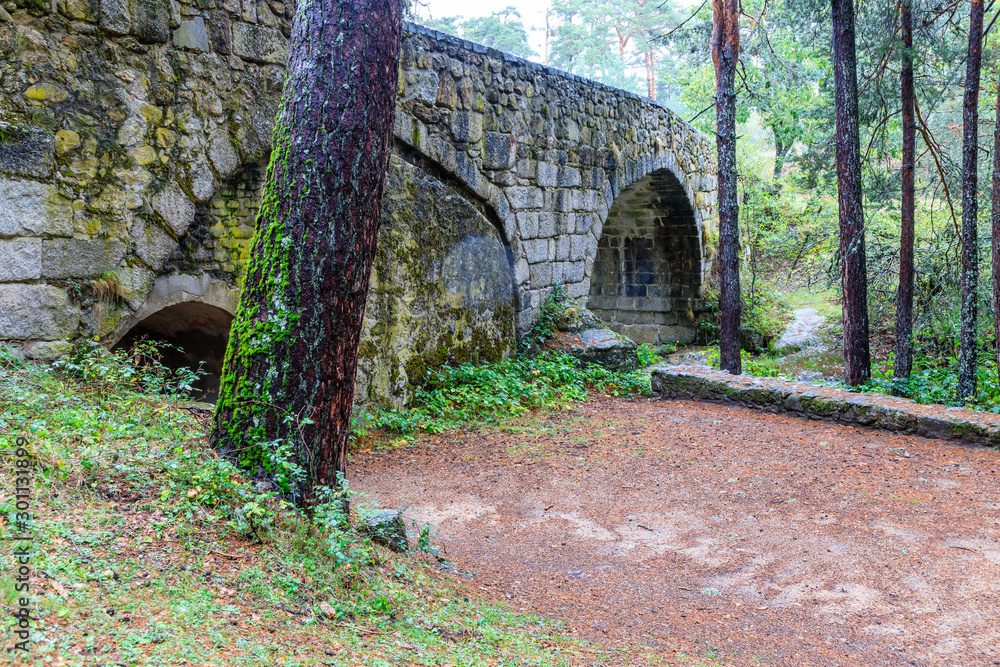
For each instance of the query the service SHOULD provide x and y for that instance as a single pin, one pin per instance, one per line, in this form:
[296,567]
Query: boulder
[603,347]
[385,527]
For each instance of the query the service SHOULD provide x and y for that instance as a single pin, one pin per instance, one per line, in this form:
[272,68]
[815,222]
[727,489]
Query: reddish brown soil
[660,527]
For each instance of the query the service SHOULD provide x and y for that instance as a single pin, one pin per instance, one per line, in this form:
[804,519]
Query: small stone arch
[648,268]
[193,314]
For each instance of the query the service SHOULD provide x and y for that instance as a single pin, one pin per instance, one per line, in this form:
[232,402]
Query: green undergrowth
[764,365]
[455,397]
[935,380]
[149,549]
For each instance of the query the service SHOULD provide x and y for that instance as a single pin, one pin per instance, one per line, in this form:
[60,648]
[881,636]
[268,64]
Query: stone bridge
[134,140]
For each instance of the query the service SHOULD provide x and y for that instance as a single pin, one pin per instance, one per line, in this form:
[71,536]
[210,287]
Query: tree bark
[651,73]
[996,231]
[292,356]
[904,294]
[779,156]
[857,359]
[725,53]
[970,206]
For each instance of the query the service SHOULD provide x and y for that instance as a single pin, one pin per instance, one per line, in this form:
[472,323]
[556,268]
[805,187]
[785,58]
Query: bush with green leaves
[934,379]
[139,368]
[456,396]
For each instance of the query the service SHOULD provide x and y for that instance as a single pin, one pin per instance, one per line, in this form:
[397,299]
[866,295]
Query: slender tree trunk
[904,295]
[996,231]
[651,73]
[970,207]
[292,355]
[779,156]
[857,360]
[548,13]
[725,53]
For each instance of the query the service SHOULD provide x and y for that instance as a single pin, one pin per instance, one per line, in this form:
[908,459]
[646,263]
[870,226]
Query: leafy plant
[647,356]
[139,368]
[548,320]
[455,396]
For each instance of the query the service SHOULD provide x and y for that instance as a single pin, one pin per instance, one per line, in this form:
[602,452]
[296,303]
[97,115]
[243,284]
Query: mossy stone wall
[132,136]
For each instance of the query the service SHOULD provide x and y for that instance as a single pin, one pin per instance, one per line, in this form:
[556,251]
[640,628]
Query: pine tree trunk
[857,361]
[725,53]
[651,73]
[904,294]
[292,355]
[970,207]
[996,231]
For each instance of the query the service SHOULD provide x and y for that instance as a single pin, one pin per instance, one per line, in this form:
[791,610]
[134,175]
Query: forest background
[786,149]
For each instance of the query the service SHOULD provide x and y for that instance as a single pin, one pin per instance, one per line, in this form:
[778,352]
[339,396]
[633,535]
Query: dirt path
[803,330]
[676,527]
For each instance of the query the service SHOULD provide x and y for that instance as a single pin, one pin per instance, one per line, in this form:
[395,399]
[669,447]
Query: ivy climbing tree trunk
[970,206]
[854,277]
[904,294]
[288,383]
[996,230]
[725,53]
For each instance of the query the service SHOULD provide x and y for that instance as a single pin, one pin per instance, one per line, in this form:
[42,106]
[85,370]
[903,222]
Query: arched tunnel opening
[196,335]
[647,275]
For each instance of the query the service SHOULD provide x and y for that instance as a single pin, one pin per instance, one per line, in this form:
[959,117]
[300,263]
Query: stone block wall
[122,122]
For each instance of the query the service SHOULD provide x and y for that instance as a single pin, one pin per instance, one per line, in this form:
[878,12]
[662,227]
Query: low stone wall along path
[827,403]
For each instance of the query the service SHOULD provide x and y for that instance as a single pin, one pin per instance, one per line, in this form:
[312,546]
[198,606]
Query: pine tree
[970,206]
[857,356]
[725,54]
[904,293]
[292,356]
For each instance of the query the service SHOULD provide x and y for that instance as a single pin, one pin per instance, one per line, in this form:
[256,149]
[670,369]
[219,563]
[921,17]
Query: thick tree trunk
[904,295]
[996,231]
[725,53]
[292,356]
[970,207]
[857,360]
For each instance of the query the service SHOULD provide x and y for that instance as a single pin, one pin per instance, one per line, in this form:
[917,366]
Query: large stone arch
[441,288]
[650,261]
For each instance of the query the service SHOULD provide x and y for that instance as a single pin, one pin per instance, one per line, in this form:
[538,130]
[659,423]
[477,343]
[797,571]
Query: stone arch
[455,168]
[192,313]
[648,267]
[441,289]
[459,172]
[490,201]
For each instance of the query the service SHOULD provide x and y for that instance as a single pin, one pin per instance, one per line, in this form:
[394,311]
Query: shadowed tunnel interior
[197,334]
[647,272]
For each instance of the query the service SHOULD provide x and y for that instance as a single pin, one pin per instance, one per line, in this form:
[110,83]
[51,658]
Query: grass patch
[151,550]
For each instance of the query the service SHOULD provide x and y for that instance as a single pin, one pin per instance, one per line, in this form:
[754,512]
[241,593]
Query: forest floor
[670,531]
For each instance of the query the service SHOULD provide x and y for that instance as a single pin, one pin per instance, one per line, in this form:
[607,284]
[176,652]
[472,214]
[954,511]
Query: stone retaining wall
[827,403]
